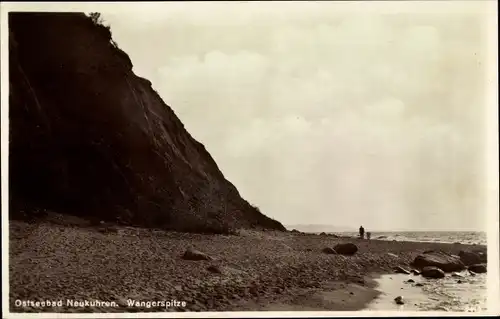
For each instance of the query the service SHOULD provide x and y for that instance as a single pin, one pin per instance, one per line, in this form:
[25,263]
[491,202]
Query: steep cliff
[90,138]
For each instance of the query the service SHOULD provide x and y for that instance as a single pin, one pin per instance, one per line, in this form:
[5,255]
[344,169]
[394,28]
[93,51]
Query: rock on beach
[432,272]
[193,254]
[478,268]
[214,269]
[399,300]
[439,259]
[470,258]
[346,249]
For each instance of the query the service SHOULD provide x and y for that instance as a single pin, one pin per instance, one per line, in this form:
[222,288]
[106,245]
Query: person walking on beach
[361,232]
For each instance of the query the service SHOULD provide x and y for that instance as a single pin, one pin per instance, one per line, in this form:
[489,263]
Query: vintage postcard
[249,159]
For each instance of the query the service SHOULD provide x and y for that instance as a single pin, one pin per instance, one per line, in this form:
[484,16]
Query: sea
[466,293]
[463,237]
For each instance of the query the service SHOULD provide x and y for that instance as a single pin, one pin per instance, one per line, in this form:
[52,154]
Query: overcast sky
[328,113]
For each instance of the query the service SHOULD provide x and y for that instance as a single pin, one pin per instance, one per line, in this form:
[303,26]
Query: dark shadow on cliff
[90,138]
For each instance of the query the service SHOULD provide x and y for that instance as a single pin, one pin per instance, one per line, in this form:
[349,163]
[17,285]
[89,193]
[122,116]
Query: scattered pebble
[193,254]
[214,269]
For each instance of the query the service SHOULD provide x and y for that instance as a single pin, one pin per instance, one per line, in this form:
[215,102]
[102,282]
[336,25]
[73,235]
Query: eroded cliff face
[90,138]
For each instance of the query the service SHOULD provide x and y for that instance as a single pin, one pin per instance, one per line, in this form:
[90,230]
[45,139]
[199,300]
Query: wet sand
[394,285]
[460,294]
[333,296]
[258,270]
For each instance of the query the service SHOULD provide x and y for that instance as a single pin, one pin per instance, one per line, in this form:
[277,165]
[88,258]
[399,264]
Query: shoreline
[402,238]
[256,270]
[333,296]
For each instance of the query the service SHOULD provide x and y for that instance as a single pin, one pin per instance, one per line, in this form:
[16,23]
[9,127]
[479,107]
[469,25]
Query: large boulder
[478,268]
[346,249]
[442,260]
[470,258]
[432,272]
[482,255]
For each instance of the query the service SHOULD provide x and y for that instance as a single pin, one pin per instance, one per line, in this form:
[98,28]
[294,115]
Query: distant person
[361,232]
[368,235]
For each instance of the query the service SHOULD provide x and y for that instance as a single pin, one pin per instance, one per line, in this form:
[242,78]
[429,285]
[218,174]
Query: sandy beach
[252,270]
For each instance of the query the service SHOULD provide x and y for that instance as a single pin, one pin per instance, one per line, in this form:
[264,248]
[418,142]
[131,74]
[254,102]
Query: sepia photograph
[246,159]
